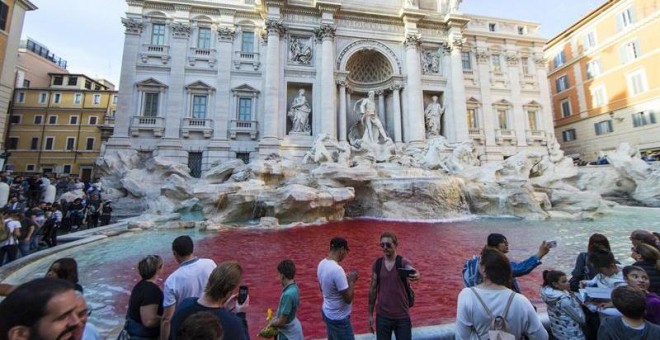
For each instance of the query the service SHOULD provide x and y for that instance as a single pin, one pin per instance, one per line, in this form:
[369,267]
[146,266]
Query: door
[85,174]
[195,164]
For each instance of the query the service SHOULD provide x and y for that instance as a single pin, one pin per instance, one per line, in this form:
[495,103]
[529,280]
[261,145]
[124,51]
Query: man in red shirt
[390,278]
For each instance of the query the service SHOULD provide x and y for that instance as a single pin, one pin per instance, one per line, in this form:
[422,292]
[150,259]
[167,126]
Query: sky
[90,36]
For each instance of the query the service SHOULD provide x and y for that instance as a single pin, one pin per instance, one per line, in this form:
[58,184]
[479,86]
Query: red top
[392,301]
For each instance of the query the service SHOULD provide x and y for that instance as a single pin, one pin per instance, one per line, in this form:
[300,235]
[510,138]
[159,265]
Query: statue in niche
[300,52]
[299,113]
[433,116]
[431,62]
[367,137]
[373,128]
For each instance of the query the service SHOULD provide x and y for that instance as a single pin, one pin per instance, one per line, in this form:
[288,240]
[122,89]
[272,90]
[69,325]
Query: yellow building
[604,72]
[12,13]
[60,128]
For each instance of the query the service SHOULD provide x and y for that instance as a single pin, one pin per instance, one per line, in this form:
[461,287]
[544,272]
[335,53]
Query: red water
[436,250]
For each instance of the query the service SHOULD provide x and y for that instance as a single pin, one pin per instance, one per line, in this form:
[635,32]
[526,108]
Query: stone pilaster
[219,144]
[456,120]
[396,88]
[270,140]
[414,114]
[342,111]
[326,33]
[519,116]
[544,87]
[489,122]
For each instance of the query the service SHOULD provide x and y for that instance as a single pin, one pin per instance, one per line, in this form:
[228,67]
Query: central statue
[371,124]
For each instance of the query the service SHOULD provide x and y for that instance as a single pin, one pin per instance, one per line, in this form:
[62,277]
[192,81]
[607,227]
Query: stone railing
[477,135]
[202,125]
[202,54]
[243,126]
[536,136]
[145,123]
[251,58]
[505,136]
[161,52]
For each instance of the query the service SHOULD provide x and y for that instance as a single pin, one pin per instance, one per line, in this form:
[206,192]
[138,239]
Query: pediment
[200,85]
[245,88]
[473,100]
[151,82]
[533,103]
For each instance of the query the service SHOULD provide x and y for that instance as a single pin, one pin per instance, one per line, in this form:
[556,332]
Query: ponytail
[551,276]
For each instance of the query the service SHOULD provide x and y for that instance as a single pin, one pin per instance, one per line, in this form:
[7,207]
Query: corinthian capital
[180,30]
[275,27]
[326,31]
[226,33]
[412,40]
[132,26]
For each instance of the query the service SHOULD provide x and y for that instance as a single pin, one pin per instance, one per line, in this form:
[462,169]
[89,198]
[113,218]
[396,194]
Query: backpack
[5,233]
[499,327]
[471,275]
[397,264]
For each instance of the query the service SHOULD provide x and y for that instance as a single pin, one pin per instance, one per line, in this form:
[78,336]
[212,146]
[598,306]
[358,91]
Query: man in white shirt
[337,289]
[10,245]
[187,281]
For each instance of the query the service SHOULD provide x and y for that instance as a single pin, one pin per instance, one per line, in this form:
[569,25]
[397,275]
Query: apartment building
[60,128]
[604,74]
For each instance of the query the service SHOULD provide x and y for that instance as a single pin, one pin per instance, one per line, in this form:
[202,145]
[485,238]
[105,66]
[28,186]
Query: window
[73,120]
[150,104]
[244,156]
[565,107]
[525,65]
[70,143]
[52,120]
[562,83]
[93,120]
[77,98]
[12,143]
[496,63]
[603,127]
[199,107]
[643,118]
[29,167]
[472,118]
[66,169]
[97,87]
[58,80]
[49,143]
[89,145]
[637,82]
[34,143]
[599,98]
[4,15]
[247,42]
[15,119]
[97,99]
[625,18]
[593,69]
[569,135]
[502,118]
[467,61]
[158,34]
[630,51]
[532,119]
[38,119]
[559,59]
[245,109]
[114,99]
[43,97]
[20,97]
[88,84]
[491,27]
[73,81]
[589,40]
[26,83]
[204,38]
[57,98]
[522,30]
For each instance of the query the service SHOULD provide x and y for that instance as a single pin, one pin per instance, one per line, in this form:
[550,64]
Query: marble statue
[299,114]
[433,116]
[453,5]
[411,4]
[430,62]
[370,120]
[319,153]
[300,52]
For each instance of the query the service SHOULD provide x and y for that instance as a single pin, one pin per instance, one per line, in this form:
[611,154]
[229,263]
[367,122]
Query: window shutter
[637,48]
[624,54]
[633,16]
[619,21]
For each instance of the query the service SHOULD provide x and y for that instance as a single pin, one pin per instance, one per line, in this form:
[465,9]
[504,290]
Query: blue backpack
[471,275]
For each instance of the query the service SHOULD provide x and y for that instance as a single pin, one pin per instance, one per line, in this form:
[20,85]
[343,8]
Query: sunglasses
[385,245]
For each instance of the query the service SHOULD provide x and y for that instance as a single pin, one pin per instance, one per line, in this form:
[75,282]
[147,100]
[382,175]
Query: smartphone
[406,272]
[242,294]
[552,244]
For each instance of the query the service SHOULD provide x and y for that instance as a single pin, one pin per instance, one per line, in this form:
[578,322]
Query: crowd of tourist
[199,299]
[34,217]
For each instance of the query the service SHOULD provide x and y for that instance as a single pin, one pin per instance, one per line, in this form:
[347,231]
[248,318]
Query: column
[126,106]
[396,87]
[326,33]
[222,112]
[456,120]
[544,98]
[519,118]
[272,87]
[414,114]
[381,105]
[342,110]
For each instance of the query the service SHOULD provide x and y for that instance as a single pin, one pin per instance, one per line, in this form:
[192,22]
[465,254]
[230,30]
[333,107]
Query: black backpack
[398,264]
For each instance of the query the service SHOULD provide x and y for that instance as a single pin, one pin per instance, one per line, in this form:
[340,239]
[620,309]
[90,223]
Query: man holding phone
[390,278]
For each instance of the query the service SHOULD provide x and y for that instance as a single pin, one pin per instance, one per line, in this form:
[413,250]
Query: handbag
[123,335]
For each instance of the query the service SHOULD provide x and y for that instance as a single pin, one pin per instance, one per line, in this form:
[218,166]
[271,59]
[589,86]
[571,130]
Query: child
[636,277]
[631,302]
[564,309]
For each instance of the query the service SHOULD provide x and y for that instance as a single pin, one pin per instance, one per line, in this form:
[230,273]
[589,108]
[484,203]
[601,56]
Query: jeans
[402,328]
[24,248]
[11,252]
[339,329]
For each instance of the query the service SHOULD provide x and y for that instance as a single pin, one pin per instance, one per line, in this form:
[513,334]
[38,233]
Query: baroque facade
[606,80]
[207,81]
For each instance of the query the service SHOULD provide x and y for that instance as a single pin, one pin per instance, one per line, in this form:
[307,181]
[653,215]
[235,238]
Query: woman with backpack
[491,309]
[564,309]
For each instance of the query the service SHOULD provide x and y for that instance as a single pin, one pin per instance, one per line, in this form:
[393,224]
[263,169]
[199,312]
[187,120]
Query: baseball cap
[338,243]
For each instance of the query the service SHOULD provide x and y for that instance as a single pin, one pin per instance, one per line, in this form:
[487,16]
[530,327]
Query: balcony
[153,124]
[159,52]
[477,135]
[243,126]
[250,58]
[536,137]
[503,136]
[203,125]
[202,54]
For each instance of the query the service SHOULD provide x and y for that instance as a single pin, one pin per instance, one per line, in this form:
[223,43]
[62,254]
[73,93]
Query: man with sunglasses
[390,276]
